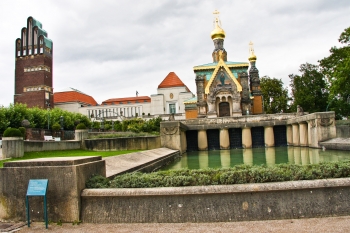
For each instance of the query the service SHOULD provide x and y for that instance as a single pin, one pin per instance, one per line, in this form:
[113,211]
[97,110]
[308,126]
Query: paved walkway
[330,224]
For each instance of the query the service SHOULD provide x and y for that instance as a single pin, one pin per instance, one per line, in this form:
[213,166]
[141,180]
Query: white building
[170,97]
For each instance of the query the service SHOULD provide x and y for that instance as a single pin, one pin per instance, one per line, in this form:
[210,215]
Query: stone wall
[343,131]
[114,144]
[222,203]
[30,146]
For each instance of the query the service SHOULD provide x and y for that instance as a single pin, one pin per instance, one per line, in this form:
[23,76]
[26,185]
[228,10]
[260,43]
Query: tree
[310,90]
[275,97]
[336,68]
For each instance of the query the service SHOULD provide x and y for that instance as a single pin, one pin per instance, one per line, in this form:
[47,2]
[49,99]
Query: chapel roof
[73,95]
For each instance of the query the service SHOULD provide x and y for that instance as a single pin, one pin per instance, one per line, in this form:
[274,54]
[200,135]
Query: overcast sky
[110,49]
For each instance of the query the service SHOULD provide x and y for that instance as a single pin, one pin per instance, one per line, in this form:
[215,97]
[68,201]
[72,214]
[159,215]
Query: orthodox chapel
[225,88]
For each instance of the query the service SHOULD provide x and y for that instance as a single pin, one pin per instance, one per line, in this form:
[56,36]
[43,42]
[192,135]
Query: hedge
[240,174]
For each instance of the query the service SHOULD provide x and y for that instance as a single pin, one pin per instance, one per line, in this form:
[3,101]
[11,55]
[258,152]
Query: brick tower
[33,72]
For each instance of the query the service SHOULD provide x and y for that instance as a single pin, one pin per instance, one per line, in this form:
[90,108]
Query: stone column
[289,135]
[224,139]
[290,155]
[296,139]
[246,138]
[303,132]
[202,140]
[81,135]
[268,136]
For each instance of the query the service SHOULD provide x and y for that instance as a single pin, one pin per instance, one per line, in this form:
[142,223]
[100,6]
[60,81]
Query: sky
[111,48]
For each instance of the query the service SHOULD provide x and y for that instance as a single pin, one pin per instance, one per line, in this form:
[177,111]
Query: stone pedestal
[81,135]
[173,136]
[12,147]
[224,139]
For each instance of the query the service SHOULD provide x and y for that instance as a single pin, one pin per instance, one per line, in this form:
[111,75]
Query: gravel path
[330,224]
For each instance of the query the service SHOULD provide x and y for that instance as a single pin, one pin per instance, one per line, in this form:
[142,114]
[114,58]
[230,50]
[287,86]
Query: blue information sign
[37,188]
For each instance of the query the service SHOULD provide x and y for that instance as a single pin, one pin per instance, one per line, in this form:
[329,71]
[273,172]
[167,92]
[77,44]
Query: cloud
[110,49]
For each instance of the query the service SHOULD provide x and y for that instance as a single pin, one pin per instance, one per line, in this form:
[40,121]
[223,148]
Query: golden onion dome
[252,56]
[218,32]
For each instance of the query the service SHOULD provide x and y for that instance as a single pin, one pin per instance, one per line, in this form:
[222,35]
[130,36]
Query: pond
[256,156]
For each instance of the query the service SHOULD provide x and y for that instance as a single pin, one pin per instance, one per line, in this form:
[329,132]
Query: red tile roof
[73,96]
[172,80]
[140,99]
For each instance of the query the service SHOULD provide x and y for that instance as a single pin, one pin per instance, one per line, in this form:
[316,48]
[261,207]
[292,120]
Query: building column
[289,135]
[268,136]
[303,132]
[296,139]
[246,138]
[202,140]
[224,139]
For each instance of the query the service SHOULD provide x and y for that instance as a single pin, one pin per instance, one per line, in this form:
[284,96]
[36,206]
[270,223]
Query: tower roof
[172,80]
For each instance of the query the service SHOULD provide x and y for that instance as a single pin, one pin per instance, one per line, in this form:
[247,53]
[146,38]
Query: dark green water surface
[256,156]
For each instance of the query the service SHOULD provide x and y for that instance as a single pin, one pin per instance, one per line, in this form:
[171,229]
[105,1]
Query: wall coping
[12,138]
[218,189]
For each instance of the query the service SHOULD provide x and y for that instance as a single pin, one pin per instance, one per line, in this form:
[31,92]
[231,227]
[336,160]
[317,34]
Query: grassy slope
[67,153]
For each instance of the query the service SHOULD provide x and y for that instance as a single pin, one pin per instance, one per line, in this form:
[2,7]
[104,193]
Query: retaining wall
[222,203]
[30,146]
[134,143]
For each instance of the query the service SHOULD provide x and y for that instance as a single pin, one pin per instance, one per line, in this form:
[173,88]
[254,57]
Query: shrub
[12,132]
[56,127]
[23,130]
[97,181]
[240,174]
[81,126]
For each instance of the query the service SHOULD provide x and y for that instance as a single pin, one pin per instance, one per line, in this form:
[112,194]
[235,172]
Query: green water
[256,156]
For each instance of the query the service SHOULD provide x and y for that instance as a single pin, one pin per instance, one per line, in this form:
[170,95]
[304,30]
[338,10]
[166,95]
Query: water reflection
[256,156]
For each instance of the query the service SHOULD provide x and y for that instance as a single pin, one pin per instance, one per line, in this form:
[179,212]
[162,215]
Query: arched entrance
[224,109]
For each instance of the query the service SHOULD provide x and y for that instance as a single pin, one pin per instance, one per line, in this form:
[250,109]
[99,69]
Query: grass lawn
[67,153]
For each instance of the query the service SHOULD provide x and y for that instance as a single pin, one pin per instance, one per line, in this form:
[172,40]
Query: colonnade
[111,112]
[269,138]
[298,134]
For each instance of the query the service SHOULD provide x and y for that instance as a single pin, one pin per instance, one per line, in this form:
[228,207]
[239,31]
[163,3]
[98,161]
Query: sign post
[37,188]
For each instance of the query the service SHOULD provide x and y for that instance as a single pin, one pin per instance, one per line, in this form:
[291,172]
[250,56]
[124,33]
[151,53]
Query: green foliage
[310,90]
[81,126]
[336,67]
[23,131]
[12,132]
[56,127]
[240,174]
[13,116]
[97,181]
[275,96]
